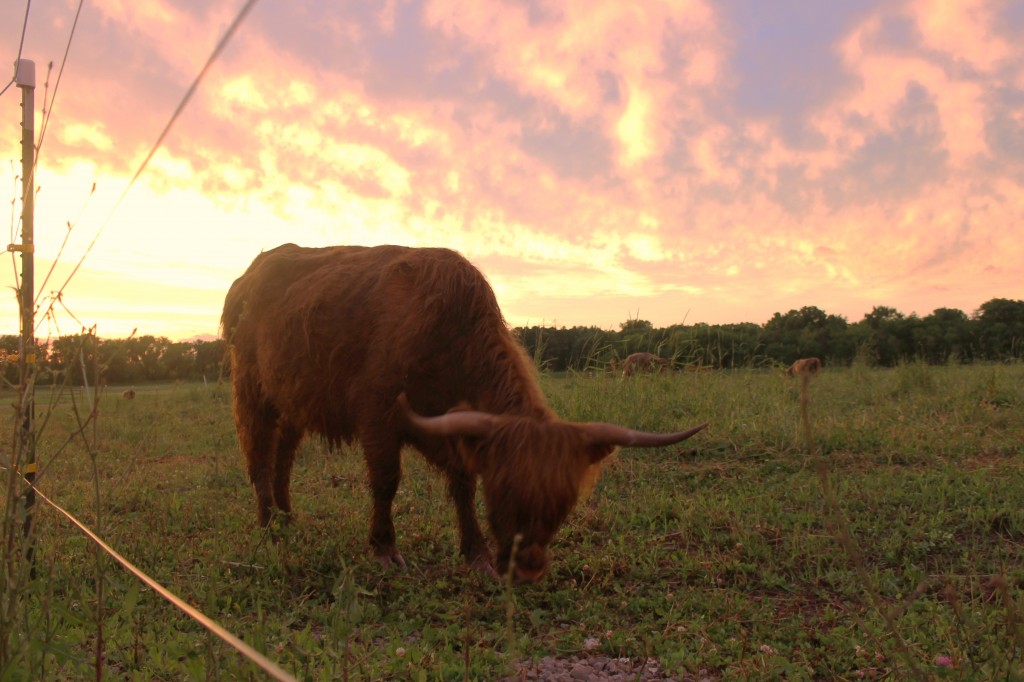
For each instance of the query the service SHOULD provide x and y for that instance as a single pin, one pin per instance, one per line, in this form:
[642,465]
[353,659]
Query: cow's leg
[473,545]
[384,465]
[288,438]
[257,435]
[444,454]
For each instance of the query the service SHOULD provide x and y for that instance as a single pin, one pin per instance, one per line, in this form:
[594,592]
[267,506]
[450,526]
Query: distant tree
[719,346]
[882,315]
[1001,329]
[635,326]
[75,358]
[556,350]
[560,349]
[636,336]
[117,366]
[885,336]
[150,352]
[178,361]
[808,332]
[944,335]
[209,359]
[10,348]
[589,347]
[534,341]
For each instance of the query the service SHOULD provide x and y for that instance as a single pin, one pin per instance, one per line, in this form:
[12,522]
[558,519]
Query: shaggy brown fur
[645,362]
[809,366]
[355,343]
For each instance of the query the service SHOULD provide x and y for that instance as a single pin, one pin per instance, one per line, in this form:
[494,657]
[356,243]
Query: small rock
[580,672]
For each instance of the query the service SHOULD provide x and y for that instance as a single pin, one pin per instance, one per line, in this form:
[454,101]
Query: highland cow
[809,366]
[391,346]
[645,362]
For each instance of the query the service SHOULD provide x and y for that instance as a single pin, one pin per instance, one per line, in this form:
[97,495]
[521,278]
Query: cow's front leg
[473,545]
[384,464]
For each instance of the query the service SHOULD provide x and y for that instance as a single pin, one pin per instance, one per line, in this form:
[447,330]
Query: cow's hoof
[391,560]
[483,564]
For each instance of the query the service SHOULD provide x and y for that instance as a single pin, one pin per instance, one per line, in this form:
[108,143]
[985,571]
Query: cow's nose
[531,564]
[528,576]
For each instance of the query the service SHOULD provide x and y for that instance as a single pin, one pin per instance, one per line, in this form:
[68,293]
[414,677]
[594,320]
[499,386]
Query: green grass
[900,538]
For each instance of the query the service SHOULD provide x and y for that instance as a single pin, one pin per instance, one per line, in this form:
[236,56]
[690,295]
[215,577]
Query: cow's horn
[620,435]
[458,423]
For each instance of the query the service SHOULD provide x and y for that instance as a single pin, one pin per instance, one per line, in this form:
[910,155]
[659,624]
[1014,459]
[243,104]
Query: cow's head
[532,472]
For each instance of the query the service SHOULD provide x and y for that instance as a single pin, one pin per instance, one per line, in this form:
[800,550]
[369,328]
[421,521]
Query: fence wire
[267,665]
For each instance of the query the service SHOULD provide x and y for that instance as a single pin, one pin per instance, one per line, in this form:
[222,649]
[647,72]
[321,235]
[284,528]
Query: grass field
[892,547]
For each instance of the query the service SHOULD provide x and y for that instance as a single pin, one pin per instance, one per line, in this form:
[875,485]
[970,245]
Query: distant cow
[645,362]
[390,346]
[809,366]
[128,394]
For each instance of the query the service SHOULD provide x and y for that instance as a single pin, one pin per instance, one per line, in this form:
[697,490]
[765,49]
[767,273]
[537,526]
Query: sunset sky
[673,161]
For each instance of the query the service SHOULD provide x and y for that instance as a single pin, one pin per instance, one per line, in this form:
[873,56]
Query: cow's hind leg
[256,421]
[288,438]
[384,465]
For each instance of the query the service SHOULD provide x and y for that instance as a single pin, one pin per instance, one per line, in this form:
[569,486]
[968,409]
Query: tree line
[87,359]
[884,337]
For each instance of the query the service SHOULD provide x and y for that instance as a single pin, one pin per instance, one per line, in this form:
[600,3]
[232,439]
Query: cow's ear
[599,451]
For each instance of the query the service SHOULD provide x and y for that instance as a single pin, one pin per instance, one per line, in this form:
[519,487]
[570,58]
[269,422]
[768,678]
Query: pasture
[891,544]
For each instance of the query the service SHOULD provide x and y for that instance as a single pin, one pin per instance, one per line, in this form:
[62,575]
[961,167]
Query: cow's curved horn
[458,423]
[620,435]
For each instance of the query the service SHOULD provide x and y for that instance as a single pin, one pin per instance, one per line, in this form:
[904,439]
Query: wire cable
[268,666]
[21,46]
[232,29]
[60,72]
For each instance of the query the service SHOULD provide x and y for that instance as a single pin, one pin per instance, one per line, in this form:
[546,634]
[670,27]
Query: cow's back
[331,335]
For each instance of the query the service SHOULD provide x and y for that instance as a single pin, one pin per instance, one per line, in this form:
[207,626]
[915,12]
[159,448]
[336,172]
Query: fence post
[25,78]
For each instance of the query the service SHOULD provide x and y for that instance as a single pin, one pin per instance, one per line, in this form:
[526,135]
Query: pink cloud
[563,58]
[594,157]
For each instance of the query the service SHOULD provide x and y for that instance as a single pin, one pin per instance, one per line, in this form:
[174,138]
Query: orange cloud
[964,30]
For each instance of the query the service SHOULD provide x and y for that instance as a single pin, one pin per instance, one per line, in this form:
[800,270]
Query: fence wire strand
[267,665]
[21,46]
[221,44]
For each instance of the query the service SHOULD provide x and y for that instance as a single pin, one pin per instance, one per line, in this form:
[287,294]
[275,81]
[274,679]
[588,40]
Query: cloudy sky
[675,161]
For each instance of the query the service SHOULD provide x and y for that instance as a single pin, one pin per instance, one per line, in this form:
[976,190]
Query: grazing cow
[128,394]
[809,366]
[645,362]
[390,346]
